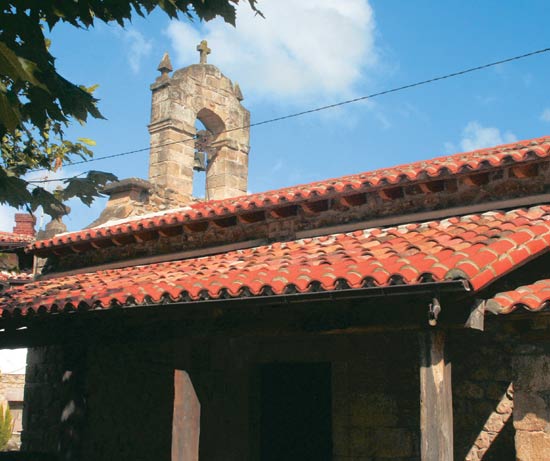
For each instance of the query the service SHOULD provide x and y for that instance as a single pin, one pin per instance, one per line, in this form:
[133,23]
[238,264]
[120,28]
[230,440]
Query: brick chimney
[24,224]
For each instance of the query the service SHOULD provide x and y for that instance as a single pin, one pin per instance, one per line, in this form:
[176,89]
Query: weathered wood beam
[185,419]
[436,401]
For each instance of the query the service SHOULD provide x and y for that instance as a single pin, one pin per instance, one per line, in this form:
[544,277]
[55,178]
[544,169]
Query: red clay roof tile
[12,237]
[534,297]
[517,152]
[496,243]
[12,276]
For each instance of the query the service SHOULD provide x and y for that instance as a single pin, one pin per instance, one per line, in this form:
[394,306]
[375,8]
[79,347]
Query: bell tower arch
[202,92]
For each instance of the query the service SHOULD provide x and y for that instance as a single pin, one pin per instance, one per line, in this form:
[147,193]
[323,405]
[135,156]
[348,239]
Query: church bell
[199,163]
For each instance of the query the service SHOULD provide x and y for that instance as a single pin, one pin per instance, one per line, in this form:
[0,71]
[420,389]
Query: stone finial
[204,51]
[238,92]
[56,226]
[165,66]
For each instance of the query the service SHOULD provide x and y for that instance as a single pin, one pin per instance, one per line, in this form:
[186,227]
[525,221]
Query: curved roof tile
[479,248]
[12,237]
[534,298]
[517,152]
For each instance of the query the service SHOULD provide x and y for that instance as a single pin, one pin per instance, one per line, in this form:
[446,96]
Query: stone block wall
[531,363]
[483,395]
[199,92]
[129,390]
[43,400]
[375,400]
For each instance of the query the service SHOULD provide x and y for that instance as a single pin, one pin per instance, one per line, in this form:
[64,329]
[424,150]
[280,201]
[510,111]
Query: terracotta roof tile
[533,298]
[12,237]
[11,276]
[517,152]
[496,243]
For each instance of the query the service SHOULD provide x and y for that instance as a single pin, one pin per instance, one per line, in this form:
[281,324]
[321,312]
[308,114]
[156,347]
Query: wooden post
[436,400]
[185,420]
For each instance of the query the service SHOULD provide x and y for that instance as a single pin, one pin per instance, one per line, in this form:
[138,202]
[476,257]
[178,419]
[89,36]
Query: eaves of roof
[15,277]
[12,238]
[532,298]
[477,249]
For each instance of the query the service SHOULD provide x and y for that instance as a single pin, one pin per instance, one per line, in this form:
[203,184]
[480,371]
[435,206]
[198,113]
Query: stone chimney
[24,224]
[201,92]
[125,199]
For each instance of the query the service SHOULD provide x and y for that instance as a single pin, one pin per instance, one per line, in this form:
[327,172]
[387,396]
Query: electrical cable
[322,108]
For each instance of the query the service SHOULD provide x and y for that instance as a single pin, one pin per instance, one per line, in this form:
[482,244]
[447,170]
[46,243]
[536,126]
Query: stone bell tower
[201,92]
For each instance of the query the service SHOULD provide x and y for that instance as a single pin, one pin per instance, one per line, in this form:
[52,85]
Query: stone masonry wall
[129,403]
[375,402]
[531,364]
[482,395]
[200,92]
[43,404]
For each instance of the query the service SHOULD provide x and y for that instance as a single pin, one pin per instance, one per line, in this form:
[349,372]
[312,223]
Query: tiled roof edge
[456,164]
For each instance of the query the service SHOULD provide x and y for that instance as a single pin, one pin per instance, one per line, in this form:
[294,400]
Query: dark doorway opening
[296,412]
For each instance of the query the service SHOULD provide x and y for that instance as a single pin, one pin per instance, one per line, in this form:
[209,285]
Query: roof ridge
[418,171]
[516,145]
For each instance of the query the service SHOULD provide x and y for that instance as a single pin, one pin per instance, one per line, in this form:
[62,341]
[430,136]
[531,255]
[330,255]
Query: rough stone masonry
[200,92]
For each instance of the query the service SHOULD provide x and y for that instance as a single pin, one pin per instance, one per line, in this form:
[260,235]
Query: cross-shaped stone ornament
[203,49]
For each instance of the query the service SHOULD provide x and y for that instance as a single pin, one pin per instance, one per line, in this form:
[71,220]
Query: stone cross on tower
[203,49]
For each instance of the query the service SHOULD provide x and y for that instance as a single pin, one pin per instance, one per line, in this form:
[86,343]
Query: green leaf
[37,103]
[87,141]
[9,114]
[16,67]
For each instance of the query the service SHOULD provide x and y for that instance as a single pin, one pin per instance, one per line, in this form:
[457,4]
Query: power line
[326,107]
[35,181]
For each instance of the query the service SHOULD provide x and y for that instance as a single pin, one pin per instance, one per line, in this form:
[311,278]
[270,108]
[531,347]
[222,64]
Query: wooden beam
[185,419]
[436,400]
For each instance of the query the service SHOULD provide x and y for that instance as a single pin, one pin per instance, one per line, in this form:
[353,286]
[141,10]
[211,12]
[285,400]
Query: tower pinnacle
[165,66]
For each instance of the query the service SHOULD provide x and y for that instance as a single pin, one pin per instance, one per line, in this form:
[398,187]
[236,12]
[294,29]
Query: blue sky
[314,52]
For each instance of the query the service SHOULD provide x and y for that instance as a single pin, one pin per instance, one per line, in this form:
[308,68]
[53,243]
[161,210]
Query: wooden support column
[436,400]
[185,419]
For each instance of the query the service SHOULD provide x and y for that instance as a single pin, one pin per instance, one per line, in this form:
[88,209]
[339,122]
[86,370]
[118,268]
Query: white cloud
[138,48]
[476,136]
[301,50]
[545,116]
